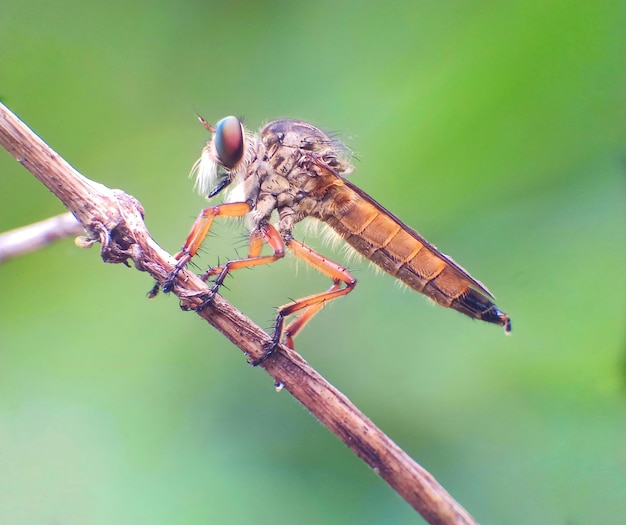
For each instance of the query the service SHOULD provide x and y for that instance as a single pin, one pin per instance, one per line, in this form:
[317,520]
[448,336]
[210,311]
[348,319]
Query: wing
[369,227]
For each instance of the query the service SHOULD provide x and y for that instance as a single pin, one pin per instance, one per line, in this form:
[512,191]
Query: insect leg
[311,304]
[198,233]
[292,329]
[265,233]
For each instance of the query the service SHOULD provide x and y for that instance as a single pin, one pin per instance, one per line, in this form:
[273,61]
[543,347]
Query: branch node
[85,242]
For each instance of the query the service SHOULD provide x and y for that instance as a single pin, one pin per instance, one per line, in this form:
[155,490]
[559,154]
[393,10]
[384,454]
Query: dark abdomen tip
[476,305]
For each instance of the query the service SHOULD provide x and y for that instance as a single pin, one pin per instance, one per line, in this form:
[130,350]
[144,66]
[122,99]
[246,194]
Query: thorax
[292,169]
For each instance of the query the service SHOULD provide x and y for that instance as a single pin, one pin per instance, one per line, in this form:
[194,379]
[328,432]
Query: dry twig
[115,219]
[35,236]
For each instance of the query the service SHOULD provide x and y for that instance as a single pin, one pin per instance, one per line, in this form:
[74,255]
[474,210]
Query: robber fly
[295,169]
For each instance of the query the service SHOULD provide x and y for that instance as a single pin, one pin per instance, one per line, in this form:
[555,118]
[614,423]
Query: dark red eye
[229,141]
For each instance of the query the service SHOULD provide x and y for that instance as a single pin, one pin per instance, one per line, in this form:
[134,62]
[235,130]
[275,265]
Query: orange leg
[308,306]
[293,328]
[312,303]
[265,233]
[198,233]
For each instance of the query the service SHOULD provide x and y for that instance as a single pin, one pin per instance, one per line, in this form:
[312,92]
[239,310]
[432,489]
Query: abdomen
[400,251]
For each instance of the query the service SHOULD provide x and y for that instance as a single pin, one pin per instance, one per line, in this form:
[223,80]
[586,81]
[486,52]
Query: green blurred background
[496,129]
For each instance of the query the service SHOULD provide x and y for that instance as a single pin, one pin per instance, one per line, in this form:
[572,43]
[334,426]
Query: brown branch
[20,241]
[115,219]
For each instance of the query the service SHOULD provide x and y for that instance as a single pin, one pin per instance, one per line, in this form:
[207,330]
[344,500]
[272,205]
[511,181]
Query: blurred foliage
[496,129]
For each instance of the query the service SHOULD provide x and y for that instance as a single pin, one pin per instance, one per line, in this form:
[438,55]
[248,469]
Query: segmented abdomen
[402,252]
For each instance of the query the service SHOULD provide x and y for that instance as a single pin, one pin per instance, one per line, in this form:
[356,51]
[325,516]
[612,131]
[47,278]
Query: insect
[296,170]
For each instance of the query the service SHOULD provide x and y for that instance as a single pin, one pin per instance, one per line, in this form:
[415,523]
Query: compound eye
[229,141]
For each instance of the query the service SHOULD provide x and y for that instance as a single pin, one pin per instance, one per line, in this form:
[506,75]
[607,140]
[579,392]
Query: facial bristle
[205,170]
